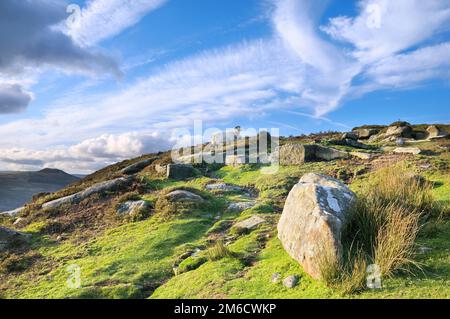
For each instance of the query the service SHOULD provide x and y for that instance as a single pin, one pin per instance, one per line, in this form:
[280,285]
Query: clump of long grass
[382,228]
[218,251]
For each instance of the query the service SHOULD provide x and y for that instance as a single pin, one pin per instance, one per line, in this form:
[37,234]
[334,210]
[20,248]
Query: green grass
[136,260]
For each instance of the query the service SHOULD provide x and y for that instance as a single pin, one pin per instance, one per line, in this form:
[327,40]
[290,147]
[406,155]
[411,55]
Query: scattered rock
[408,150]
[183,196]
[312,220]
[224,187]
[94,189]
[290,281]
[132,207]
[161,169]
[13,213]
[276,278]
[250,223]
[18,221]
[241,206]
[137,167]
[181,171]
[361,155]
[10,237]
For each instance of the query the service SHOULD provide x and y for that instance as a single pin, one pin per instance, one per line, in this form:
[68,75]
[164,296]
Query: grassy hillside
[194,251]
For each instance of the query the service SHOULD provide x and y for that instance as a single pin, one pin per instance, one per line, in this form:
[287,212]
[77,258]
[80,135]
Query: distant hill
[17,188]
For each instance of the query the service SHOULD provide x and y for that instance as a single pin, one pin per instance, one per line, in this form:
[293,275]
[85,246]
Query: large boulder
[296,154]
[312,220]
[365,133]
[181,171]
[137,167]
[98,188]
[9,237]
[399,131]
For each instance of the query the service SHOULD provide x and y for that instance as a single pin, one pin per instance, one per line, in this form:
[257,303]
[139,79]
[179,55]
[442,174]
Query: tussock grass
[218,251]
[382,228]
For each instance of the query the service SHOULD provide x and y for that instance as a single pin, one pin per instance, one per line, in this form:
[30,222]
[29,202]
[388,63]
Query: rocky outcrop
[132,207]
[181,171]
[408,150]
[365,133]
[434,132]
[161,169]
[297,154]
[312,219]
[399,131]
[9,237]
[183,196]
[350,136]
[12,213]
[103,187]
[250,223]
[137,167]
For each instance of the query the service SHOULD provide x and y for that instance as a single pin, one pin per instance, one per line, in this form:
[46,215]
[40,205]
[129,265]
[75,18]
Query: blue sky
[83,89]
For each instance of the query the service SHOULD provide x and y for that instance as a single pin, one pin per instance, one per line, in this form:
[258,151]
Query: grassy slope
[132,260]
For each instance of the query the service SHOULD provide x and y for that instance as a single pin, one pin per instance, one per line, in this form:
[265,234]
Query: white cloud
[102,19]
[89,154]
[401,24]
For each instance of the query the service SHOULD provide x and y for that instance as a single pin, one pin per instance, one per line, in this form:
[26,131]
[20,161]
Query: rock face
[435,132]
[350,136]
[312,220]
[94,189]
[9,237]
[250,223]
[350,142]
[180,171]
[183,196]
[137,167]
[407,150]
[297,154]
[132,207]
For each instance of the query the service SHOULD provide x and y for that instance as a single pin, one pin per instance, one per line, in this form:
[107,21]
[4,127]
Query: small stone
[290,281]
[250,223]
[424,250]
[276,278]
[408,150]
[241,206]
[183,196]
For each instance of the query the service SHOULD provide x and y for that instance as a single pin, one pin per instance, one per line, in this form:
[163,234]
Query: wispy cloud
[102,19]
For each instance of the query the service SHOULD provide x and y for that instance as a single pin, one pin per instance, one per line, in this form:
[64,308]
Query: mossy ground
[137,259]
